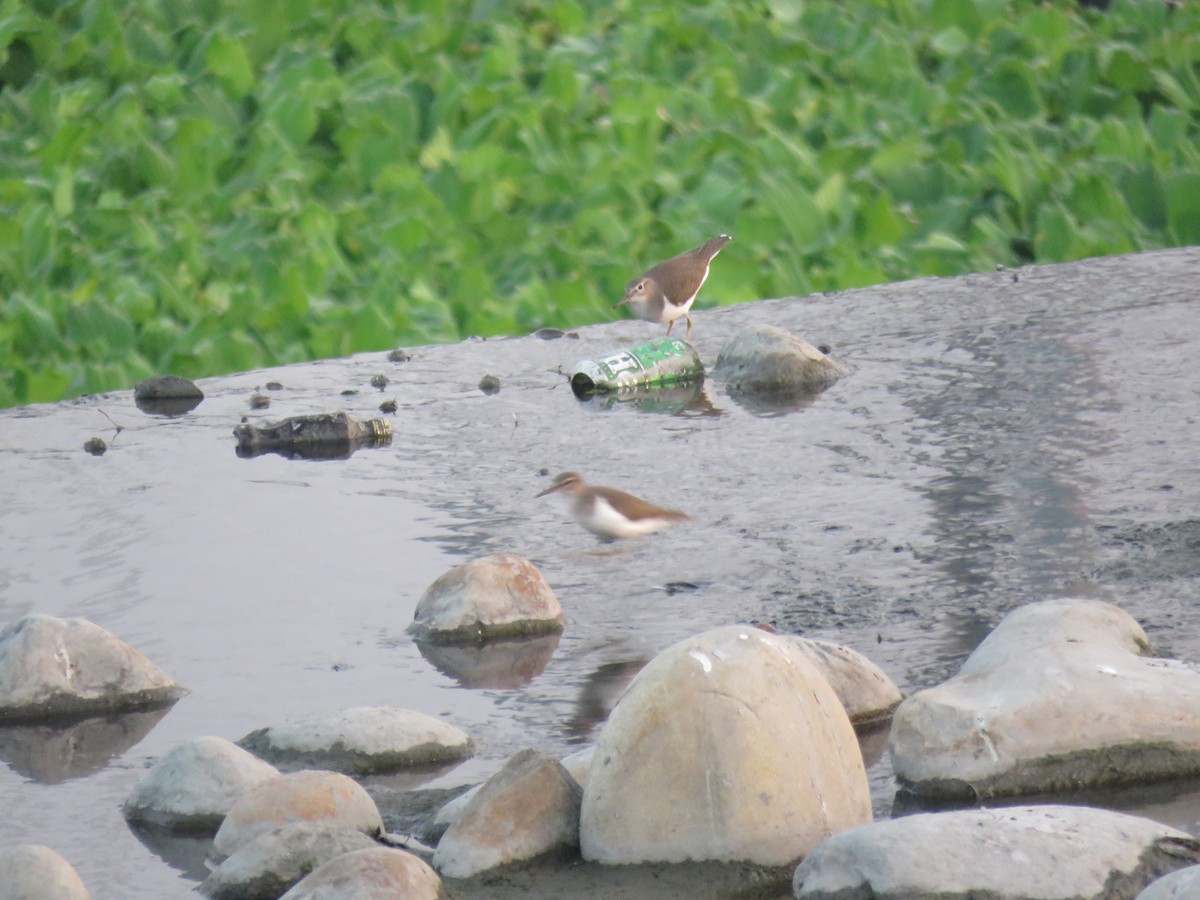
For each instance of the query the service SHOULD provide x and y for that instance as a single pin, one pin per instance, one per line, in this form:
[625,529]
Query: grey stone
[35,872]
[502,595]
[379,873]
[274,861]
[528,808]
[57,667]
[362,740]
[728,746]
[1032,853]
[868,695]
[1181,885]
[765,359]
[329,799]
[1062,694]
[195,785]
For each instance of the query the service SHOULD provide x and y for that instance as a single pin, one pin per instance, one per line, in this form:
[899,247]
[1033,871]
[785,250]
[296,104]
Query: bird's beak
[550,490]
[620,303]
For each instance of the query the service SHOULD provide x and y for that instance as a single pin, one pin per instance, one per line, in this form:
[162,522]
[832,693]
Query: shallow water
[997,442]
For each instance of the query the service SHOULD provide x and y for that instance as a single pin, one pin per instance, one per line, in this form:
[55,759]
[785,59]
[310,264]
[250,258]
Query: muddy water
[999,441]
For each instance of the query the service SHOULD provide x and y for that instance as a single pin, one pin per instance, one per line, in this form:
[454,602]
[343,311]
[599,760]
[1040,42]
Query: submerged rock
[502,595]
[329,799]
[362,740]
[195,785]
[1024,852]
[379,873]
[167,395]
[528,808]
[728,746]
[52,667]
[867,693]
[763,359]
[1062,694]
[35,872]
[274,861]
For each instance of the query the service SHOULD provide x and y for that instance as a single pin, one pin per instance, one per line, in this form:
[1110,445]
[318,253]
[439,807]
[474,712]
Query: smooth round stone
[276,860]
[195,785]
[867,693]
[380,873]
[528,808]
[688,765]
[35,872]
[104,675]
[362,740]
[1181,885]
[764,359]
[329,799]
[502,595]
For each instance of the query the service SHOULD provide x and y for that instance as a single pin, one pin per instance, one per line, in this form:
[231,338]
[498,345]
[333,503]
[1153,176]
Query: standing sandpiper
[666,291]
[609,513]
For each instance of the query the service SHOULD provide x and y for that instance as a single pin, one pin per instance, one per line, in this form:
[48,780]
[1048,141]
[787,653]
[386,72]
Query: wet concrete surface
[998,441]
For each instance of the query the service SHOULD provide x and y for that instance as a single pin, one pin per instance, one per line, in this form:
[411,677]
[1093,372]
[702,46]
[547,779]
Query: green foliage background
[203,186]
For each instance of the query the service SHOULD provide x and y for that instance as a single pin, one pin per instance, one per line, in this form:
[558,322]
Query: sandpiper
[609,513]
[666,291]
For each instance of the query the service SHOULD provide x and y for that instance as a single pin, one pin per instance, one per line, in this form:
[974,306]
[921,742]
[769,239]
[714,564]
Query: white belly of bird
[604,521]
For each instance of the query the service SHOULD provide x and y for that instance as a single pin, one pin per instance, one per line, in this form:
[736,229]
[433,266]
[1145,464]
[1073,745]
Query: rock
[167,395]
[379,873]
[763,359]
[502,595]
[1023,852]
[167,387]
[362,740]
[34,872]
[274,861]
[489,384]
[195,785]
[868,695]
[1061,695]
[451,812]
[693,763]
[53,667]
[1181,885]
[528,808]
[327,798]
[579,763]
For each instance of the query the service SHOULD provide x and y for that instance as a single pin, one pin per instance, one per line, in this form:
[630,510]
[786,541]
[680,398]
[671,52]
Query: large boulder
[528,808]
[502,595]
[329,799]
[52,667]
[362,740]
[766,360]
[195,785]
[728,746]
[34,872]
[1062,694]
[1051,852]
[380,873]
[272,862]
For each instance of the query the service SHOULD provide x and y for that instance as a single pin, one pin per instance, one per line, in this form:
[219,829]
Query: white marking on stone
[702,658]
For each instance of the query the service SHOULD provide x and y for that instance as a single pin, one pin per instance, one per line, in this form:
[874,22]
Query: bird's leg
[670,325]
[689,330]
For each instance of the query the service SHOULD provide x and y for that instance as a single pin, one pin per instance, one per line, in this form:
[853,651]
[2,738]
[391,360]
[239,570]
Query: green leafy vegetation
[210,186]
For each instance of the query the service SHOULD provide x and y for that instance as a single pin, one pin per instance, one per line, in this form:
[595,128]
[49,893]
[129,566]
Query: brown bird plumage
[609,513]
[666,291]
